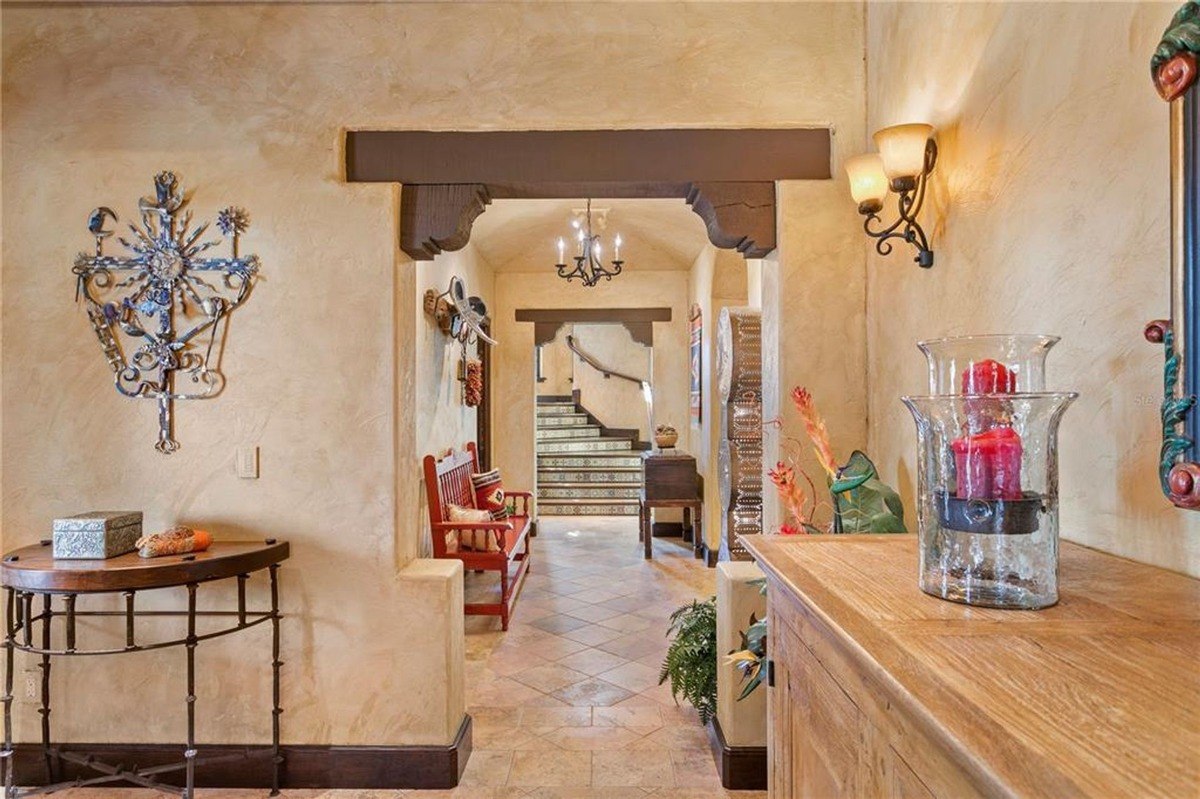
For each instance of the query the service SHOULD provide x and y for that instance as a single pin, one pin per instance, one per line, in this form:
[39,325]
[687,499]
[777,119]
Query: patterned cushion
[475,540]
[489,494]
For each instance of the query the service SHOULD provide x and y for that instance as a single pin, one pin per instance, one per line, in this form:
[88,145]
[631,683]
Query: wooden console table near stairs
[880,690]
[670,480]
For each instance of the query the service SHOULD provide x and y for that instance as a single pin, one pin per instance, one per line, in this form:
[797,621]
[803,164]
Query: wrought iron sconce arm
[911,196]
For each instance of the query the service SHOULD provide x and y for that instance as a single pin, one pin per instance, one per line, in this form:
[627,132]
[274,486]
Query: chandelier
[589,265]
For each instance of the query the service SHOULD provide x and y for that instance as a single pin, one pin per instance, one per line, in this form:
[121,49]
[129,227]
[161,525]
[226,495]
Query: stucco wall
[248,102]
[513,368]
[616,402]
[1049,214]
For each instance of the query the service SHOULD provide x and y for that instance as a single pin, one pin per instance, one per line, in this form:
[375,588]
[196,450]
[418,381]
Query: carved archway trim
[638,321]
[727,176]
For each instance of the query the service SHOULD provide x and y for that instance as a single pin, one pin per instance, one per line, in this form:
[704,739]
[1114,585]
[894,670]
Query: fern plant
[691,662]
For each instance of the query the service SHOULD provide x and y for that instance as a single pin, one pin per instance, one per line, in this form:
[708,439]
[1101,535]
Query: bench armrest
[525,505]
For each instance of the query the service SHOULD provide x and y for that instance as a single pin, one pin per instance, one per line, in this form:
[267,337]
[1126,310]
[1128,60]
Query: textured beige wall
[1049,214]
[819,300]
[513,368]
[558,367]
[616,402]
[249,103]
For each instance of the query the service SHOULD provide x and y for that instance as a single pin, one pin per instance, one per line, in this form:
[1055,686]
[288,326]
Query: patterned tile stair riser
[582,472]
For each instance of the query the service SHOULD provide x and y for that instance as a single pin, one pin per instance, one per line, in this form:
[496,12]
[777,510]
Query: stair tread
[576,484]
[593,501]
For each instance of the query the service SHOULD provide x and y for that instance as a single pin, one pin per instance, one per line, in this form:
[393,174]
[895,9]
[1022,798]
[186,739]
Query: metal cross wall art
[164,296]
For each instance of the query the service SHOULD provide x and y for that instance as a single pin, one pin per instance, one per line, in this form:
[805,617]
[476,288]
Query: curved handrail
[604,370]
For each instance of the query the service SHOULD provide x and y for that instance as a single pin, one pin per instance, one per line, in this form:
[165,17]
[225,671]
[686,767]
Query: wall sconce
[907,154]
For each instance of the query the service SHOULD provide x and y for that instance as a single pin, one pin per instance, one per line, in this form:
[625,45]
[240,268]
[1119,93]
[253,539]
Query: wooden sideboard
[880,690]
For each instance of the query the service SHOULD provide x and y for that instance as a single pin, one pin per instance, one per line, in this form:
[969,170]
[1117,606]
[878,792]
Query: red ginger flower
[784,478]
[791,529]
[814,425]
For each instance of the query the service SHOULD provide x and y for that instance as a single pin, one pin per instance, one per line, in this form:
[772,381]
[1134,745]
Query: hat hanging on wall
[457,315]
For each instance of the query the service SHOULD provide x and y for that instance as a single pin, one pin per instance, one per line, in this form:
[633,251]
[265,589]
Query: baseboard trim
[305,766]
[742,768]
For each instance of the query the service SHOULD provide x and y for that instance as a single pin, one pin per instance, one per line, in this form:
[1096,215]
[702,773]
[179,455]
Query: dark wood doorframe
[483,413]
[727,176]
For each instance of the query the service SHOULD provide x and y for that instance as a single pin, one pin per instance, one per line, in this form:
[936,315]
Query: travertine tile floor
[566,704]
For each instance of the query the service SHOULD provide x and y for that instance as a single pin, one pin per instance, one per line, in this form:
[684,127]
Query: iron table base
[27,632]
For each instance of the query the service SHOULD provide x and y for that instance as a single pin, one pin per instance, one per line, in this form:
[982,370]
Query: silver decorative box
[97,534]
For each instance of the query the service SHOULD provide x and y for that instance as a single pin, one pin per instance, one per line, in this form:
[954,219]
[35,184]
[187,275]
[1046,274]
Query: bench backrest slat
[448,482]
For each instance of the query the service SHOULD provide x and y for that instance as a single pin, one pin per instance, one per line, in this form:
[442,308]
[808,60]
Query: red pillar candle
[988,459]
[988,464]
[988,377]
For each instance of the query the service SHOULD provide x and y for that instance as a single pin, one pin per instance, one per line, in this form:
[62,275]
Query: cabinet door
[833,756]
[779,714]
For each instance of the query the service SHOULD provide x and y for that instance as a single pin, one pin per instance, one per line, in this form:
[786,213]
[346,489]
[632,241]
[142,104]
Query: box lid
[99,520]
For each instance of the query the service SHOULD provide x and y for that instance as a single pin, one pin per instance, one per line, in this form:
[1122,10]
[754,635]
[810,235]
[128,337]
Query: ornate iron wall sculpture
[1173,68]
[170,301]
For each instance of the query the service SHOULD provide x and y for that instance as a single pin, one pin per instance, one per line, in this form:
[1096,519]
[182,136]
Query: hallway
[567,702]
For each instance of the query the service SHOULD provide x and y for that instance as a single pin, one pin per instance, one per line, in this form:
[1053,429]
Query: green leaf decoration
[1174,411]
[865,504]
[1182,34]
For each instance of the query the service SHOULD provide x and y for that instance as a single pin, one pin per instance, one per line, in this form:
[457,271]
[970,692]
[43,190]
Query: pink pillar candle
[988,464]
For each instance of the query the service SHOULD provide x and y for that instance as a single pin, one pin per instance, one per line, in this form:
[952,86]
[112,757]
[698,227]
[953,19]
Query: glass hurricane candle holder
[987,510]
[966,364]
[987,477]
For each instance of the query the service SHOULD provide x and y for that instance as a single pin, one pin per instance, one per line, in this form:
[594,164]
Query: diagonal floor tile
[558,623]
[548,677]
[633,676]
[593,661]
[592,692]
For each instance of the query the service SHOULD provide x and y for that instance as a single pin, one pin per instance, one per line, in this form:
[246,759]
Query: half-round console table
[49,631]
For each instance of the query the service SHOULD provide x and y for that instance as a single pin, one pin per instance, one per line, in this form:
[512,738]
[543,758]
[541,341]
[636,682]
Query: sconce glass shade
[868,182]
[902,148]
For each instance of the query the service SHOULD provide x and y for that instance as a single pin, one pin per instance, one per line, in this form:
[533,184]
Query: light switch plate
[247,463]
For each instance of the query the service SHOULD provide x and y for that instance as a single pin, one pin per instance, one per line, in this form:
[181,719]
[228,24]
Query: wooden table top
[34,568]
[1096,696]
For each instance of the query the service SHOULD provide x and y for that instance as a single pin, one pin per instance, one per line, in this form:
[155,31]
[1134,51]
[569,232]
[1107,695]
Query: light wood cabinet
[882,691]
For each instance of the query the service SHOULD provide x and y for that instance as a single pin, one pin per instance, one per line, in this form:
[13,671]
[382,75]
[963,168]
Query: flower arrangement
[860,501]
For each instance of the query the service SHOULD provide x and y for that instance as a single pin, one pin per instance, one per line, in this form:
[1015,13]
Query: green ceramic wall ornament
[1173,68]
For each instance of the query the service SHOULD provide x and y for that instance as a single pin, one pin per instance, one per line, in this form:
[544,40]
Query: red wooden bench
[448,482]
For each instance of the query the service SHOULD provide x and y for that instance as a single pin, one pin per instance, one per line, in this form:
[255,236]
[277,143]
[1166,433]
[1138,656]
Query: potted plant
[691,661]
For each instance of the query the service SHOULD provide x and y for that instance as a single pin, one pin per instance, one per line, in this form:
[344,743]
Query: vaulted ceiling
[656,234]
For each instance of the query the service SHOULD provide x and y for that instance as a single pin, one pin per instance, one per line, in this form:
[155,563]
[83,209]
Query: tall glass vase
[987,504]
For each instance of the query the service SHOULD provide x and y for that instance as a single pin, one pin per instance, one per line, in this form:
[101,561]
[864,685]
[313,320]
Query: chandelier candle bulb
[617,248]
[562,250]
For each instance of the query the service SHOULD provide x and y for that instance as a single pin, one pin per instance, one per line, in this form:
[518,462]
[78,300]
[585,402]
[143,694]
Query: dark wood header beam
[570,156]
[638,321]
[727,176]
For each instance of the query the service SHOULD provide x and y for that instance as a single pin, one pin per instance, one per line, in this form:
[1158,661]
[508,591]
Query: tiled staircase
[582,472]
